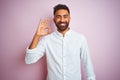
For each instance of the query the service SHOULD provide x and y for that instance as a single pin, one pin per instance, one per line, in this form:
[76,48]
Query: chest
[65,45]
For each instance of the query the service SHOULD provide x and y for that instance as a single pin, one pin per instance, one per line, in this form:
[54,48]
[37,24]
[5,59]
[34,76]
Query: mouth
[62,23]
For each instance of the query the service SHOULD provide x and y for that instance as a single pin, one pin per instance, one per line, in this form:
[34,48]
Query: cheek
[68,20]
[56,20]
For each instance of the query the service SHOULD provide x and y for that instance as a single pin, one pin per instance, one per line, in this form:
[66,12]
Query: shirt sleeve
[33,55]
[85,58]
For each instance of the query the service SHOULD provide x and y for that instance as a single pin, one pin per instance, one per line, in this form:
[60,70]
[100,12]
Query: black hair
[61,6]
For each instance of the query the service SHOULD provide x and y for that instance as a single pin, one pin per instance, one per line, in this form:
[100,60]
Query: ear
[70,17]
[54,19]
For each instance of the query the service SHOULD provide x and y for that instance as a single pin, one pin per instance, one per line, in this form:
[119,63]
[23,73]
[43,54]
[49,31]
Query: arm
[85,57]
[41,31]
[36,49]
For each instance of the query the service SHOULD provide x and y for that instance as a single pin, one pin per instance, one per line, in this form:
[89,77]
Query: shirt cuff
[30,51]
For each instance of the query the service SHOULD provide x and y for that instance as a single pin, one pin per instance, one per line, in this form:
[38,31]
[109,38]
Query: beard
[62,26]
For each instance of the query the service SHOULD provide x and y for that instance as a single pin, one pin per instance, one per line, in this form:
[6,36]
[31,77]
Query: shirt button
[64,77]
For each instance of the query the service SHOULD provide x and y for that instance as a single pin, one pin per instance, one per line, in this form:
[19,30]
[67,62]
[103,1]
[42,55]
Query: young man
[64,48]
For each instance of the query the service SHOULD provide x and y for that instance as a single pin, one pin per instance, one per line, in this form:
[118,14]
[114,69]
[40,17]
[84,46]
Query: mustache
[62,22]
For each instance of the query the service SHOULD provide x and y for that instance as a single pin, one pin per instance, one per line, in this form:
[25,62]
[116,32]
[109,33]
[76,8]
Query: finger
[48,29]
[41,22]
[44,21]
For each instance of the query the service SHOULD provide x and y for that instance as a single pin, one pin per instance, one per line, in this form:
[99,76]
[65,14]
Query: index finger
[44,21]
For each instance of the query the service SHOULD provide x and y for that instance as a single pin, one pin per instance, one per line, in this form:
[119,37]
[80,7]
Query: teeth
[62,24]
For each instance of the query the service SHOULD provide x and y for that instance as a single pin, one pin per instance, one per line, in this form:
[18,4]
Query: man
[64,48]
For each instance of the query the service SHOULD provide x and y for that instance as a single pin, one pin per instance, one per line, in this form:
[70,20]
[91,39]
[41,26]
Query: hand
[43,28]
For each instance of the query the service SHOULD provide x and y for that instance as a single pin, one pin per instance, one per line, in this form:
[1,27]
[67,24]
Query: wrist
[37,35]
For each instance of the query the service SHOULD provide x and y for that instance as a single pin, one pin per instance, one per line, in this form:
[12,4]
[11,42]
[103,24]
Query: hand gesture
[43,28]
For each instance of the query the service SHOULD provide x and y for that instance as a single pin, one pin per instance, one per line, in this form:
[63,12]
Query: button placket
[63,57]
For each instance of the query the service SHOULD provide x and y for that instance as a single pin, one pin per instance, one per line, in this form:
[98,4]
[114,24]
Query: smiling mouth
[62,24]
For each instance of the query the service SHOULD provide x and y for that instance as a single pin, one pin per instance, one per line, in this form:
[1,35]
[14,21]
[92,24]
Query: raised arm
[42,30]
[35,52]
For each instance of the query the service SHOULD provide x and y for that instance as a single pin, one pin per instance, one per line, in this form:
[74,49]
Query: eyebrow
[62,15]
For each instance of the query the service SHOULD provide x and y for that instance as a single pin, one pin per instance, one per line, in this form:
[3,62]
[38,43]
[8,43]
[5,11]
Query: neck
[63,32]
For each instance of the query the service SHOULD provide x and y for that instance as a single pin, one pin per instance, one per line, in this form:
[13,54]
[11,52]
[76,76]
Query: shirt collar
[66,34]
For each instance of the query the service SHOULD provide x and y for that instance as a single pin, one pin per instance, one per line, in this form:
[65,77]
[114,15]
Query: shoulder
[80,38]
[77,34]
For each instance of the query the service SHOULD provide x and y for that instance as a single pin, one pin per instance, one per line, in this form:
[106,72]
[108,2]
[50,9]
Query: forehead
[62,12]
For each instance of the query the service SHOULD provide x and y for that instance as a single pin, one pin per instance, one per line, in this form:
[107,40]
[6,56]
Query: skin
[61,20]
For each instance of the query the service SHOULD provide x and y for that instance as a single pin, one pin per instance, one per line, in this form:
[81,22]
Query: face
[62,19]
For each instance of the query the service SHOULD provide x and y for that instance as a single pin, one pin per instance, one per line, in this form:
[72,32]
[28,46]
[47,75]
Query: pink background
[98,20]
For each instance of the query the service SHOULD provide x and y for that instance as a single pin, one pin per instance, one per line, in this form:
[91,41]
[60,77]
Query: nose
[62,19]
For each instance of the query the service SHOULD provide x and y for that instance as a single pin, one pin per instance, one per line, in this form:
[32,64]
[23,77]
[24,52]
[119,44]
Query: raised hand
[43,28]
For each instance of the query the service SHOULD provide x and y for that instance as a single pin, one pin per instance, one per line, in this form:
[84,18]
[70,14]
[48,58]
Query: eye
[65,16]
[58,16]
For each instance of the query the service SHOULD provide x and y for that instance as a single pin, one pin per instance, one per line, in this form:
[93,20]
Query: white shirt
[64,56]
